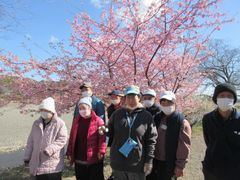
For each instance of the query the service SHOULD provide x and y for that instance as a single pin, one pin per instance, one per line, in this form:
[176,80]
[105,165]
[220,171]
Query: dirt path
[12,159]
[193,170]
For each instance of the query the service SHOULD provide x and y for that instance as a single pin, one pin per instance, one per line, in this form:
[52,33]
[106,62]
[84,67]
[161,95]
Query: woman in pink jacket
[86,147]
[44,152]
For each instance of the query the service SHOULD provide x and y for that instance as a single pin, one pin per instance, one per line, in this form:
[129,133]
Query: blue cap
[150,92]
[132,90]
[116,92]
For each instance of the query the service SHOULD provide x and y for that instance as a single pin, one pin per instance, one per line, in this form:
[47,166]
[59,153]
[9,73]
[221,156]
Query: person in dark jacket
[221,130]
[97,104]
[134,137]
[173,142]
[116,102]
[148,101]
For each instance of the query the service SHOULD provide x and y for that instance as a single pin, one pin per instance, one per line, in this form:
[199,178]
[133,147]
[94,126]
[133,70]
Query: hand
[70,160]
[100,156]
[46,153]
[178,172]
[102,130]
[26,163]
[147,168]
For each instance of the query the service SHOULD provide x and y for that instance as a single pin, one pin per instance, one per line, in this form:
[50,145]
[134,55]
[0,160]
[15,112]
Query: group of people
[148,140]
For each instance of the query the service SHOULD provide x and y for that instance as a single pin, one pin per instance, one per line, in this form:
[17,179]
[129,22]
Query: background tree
[223,64]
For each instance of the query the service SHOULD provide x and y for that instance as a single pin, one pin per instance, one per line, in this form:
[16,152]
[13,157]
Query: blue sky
[42,21]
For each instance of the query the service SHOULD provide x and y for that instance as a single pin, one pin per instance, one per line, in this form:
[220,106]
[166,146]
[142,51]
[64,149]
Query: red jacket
[96,143]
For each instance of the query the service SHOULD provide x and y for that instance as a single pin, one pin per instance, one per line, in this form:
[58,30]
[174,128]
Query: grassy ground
[197,129]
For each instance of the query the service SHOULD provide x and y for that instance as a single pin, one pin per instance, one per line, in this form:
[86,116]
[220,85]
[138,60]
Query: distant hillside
[6,83]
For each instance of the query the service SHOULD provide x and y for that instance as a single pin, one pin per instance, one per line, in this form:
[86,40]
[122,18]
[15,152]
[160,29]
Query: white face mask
[115,102]
[167,109]
[148,103]
[46,115]
[86,94]
[225,104]
[85,113]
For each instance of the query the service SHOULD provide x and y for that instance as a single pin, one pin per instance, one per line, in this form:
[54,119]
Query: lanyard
[131,120]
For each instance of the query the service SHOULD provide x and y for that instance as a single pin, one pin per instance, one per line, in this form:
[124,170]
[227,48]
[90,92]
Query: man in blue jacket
[97,104]
[221,130]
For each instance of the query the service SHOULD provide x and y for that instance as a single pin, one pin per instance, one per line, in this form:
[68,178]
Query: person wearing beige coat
[44,152]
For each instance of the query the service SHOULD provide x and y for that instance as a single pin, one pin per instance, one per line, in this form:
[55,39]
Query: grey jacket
[143,131]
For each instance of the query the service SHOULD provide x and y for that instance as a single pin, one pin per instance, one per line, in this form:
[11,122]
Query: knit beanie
[48,104]
[86,100]
[224,87]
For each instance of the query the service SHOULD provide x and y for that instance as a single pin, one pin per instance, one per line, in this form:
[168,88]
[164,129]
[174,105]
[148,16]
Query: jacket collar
[137,110]
[153,107]
[234,115]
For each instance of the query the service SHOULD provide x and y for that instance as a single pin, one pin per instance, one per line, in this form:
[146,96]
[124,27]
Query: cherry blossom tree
[158,44]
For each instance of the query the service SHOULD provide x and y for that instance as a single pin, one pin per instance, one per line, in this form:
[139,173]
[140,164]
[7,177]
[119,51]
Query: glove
[102,130]
[70,160]
[100,156]
[26,163]
[46,153]
[147,168]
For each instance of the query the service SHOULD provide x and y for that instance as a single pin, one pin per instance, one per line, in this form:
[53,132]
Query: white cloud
[99,3]
[145,4]
[28,36]
[96,3]
[53,40]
